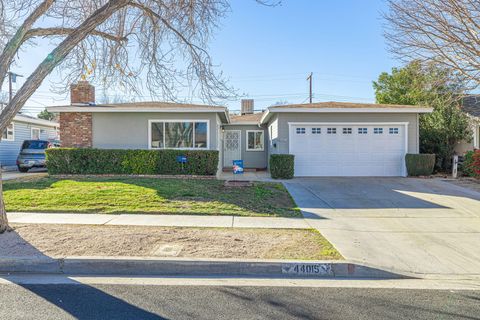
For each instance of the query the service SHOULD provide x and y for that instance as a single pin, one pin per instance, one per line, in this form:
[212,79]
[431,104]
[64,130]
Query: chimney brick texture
[82,93]
[76,129]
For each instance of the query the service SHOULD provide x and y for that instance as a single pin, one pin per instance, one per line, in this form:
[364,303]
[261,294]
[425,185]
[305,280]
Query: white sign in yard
[314,269]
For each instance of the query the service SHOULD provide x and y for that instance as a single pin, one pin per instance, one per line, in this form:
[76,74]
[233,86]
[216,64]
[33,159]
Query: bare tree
[441,31]
[156,45]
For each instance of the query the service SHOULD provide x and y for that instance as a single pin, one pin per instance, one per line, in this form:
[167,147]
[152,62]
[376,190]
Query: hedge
[282,166]
[114,161]
[419,164]
[471,164]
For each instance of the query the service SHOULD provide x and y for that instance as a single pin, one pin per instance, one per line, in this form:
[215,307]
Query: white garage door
[348,150]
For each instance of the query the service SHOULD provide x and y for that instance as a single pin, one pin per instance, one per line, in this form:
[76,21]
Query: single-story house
[471,106]
[327,139]
[23,128]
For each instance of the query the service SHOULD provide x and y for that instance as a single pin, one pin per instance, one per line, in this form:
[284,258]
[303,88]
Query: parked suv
[32,154]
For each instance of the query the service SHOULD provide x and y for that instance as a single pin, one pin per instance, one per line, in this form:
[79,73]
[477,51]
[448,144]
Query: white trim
[353,110]
[13,133]
[346,123]
[246,140]
[135,109]
[150,121]
[343,110]
[46,123]
[404,124]
[39,132]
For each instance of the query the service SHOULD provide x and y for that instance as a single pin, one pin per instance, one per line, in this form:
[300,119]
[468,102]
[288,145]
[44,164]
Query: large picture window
[179,134]
[9,133]
[255,140]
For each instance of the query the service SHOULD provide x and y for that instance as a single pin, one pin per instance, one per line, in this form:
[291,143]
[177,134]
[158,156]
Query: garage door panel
[373,152]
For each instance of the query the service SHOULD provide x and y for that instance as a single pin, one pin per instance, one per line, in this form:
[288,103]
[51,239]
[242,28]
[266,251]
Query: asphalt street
[120,301]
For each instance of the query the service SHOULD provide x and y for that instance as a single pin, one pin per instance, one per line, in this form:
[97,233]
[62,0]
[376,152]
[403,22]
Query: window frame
[347,130]
[300,130]
[362,130]
[13,133]
[316,130]
[393,130]
[151,121]
[332,130]
[247,132]
[39,133]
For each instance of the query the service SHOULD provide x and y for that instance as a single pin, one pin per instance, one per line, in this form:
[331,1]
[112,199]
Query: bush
[467,165]
[471,164]
[282,166]
[107,161]
[419,164]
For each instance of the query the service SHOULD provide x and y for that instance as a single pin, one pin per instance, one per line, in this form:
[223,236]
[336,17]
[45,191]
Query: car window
[35,144]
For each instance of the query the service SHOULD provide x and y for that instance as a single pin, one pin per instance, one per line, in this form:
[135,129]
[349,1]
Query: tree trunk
[3,214]
[53,59]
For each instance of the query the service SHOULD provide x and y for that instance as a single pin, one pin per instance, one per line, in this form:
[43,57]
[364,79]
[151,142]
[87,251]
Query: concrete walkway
[159,220]
[421,226]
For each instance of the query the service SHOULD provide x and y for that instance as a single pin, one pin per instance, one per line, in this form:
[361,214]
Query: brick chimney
[82,92]
[247,106]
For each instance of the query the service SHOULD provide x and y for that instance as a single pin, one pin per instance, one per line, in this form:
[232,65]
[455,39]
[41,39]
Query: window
[377,130]
[362,130]
[331,130]
[316,130]
[35,145]
[393,130]
[347,131]
[178,134]
[9,133]
[300,130]
[35,134]
[255,140]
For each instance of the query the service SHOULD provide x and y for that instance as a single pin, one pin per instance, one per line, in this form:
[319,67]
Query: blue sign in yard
[182,159]
[237,166]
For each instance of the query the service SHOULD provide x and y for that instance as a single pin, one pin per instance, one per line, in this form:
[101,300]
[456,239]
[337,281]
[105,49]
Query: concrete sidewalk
[158,220]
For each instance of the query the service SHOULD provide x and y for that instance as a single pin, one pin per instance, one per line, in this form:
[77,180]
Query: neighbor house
[327,139]
[23,128]
[471,106]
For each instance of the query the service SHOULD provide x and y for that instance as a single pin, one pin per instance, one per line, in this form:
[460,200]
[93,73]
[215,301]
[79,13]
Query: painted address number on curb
[308,269]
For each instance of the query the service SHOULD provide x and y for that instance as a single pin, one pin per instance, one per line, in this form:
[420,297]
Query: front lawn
[148,195]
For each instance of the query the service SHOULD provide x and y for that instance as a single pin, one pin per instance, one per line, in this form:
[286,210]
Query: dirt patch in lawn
[469,183]
[79,240]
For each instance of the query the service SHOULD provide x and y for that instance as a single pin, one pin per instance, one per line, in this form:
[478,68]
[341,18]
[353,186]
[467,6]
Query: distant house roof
[29,119]
[246,119]
[149,106]
[344,107]
[471,105]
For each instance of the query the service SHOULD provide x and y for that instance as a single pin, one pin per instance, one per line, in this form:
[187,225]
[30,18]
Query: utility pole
[310,77]
[12,78]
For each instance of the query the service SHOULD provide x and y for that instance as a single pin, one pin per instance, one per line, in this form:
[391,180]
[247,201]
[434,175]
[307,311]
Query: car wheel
[21,169]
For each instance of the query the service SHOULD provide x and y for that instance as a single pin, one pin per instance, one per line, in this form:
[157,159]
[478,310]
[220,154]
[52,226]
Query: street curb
[193,267]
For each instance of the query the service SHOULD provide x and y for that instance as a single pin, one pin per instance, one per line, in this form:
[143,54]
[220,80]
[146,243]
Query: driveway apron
[422,226]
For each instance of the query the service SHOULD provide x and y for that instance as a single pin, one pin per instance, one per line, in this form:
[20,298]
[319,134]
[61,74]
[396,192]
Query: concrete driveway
[11,175]
[424,226]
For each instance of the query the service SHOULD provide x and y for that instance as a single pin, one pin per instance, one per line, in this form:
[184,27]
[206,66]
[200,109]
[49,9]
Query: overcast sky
[267,53]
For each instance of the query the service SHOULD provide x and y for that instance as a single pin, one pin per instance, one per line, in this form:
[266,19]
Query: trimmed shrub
[282,166]
[467,165]
[419,164]
[113,161]
[471,164]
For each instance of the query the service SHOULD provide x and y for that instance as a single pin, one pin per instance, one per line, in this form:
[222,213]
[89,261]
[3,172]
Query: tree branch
[45,32]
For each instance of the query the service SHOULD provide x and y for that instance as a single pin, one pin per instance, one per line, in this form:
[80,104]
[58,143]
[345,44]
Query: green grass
[148,195]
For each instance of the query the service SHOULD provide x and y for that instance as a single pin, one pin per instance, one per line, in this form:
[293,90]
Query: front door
[232,147]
